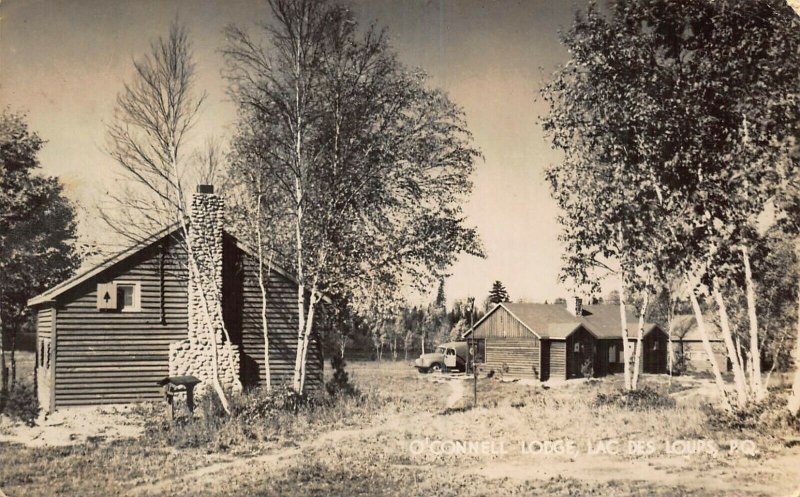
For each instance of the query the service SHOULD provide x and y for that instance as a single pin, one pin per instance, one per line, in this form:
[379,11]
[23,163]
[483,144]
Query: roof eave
[65,286]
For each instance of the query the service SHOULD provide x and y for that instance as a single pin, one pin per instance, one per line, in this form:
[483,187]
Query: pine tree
[498,293]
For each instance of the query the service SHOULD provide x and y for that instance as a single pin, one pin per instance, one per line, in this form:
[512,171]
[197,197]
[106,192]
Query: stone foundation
[195,355]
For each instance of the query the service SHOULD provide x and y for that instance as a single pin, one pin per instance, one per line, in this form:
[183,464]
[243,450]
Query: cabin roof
[554,321]
[684,328]
[131,251]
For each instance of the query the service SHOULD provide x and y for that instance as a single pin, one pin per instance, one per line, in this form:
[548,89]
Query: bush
[261,404]
[679,364]
[340,384]
[259,416]
[637,400]
[22,403]
[769,415]
[587,368]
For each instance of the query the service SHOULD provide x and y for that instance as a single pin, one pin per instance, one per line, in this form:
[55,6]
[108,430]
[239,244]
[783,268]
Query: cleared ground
[419,435]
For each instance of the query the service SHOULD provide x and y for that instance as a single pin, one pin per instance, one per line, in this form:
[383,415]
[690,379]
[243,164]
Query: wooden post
[474,354]
[190,399]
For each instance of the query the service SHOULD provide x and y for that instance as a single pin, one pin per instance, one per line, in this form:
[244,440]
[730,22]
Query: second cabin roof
[554,321]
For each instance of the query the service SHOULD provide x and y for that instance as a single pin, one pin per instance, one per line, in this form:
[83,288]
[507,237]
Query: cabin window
[612,352]
[128,296]
[577,347]
[655,345]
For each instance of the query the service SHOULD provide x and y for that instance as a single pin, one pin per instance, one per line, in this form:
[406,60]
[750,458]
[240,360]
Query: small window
[577,347]
[128,297]
[655,345]
[451,352]
[612,353]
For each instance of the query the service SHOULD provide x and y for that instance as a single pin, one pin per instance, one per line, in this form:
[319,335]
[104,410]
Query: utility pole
[472,352]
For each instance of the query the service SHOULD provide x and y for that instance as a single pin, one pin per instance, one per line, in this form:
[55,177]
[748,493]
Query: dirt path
[771,476]
[457,392]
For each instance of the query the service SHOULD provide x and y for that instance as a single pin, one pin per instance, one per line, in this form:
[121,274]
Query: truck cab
[449,356]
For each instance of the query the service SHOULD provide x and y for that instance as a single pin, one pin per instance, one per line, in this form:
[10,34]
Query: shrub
[340,384]
[637,400]
[256,416]
[262,404]
[679,364]
[22,403]
[769,415]
[587,368]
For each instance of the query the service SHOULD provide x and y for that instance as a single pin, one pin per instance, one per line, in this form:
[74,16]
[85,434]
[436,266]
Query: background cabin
[552,341]
[687,342]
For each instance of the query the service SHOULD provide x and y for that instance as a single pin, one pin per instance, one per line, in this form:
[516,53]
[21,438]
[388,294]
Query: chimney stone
[575,306]
[194,356]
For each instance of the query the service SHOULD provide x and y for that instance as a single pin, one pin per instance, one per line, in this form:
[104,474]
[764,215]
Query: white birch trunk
[755,355]
[307,336]
[301,295]
[262,286]
[626,353]
[701,326]
[637,361]
[670,347]
[727,336]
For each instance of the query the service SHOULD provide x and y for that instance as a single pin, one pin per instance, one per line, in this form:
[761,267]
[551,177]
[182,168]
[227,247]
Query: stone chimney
[194,356]
[575,306]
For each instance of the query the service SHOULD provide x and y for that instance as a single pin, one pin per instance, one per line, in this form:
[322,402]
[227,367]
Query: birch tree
[693,105]
[368,164]
[148,139]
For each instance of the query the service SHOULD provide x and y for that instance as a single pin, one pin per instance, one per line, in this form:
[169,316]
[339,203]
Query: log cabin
[554,341]
[688,343]
[110,333]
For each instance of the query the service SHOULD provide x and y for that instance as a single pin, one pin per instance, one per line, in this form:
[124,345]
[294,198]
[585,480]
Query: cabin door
[580,351]
[655,354]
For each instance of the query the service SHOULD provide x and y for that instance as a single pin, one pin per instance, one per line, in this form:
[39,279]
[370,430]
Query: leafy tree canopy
[37,223]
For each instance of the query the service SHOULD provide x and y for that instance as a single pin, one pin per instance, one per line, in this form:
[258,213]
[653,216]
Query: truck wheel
[435,368]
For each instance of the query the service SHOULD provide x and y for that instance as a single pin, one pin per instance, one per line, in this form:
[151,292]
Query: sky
[63,63]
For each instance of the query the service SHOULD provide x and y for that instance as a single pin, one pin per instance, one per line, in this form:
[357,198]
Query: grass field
[420,435]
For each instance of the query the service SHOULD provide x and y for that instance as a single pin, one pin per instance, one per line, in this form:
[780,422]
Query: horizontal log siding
[502,324]
[514,356]
[109,357]
[558,359]
[282,326]
[44,322]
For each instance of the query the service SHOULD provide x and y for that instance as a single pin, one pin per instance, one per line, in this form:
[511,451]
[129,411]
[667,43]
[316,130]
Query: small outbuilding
[553,341]
[110,334]
[688,344]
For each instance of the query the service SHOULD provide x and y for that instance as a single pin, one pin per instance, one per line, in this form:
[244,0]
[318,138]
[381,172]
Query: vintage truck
[448,356]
